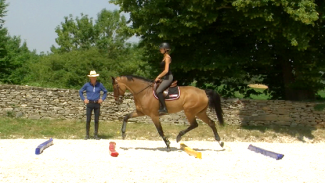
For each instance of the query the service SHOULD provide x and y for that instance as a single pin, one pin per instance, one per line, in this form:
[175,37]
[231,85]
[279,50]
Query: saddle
[174,84]
[170,93]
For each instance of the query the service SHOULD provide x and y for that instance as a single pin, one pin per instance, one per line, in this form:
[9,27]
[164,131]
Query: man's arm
[81,92]
[104,90]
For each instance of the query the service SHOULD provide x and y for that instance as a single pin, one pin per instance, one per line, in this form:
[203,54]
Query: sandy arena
[148,161]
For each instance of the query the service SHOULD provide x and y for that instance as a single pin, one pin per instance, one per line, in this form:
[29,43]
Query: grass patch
[319,107]
[256,97]
[12,128]
[322,93]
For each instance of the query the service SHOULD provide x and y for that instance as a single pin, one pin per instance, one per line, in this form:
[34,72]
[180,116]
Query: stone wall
[51,103]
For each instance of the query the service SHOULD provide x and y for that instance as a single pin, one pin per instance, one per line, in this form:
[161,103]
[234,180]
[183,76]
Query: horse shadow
[164,149]
[150,149]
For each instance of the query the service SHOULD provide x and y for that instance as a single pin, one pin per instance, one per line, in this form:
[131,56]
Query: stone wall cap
[22,87]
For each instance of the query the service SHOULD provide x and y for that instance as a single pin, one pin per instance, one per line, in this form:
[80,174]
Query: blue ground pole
[43,146]
[271,154]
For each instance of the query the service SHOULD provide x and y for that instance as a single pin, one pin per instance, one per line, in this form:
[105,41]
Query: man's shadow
[265,120]
[300,133]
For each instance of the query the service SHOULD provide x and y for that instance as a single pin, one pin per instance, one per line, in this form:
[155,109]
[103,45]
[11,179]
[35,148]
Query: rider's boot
[162,106]
[96,131]
[87,130]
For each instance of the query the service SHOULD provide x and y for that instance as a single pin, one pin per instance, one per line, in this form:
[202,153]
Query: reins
[143,89]
[118,89]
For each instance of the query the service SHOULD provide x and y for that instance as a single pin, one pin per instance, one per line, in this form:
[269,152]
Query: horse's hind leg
[125,120]
[157,123]
[205,118]
[193,124]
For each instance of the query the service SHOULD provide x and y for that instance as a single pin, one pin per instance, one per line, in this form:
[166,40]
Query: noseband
[117,95]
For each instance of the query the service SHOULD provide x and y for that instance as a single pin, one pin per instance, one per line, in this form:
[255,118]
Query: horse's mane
[130,78]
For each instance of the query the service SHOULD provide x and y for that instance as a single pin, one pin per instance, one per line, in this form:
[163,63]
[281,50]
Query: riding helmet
[165,46]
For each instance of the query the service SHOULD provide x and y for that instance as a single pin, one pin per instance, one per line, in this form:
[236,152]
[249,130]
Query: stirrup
[162,111]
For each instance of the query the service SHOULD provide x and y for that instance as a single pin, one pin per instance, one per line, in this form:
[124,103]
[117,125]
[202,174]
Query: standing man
[93,101]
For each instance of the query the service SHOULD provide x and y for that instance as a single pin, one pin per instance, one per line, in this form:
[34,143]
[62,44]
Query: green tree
[85,44]
[3,32]
[13,53]
[228,42]
[65,70]
[70,69]
[74,34]
[17,53]
[109,30]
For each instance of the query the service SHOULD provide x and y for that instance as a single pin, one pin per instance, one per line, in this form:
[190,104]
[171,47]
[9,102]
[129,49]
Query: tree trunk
[289,92]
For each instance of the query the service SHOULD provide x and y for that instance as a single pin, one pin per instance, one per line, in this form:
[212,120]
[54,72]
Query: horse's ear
[113,79]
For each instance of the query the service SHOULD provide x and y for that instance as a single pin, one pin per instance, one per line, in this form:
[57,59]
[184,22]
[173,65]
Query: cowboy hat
[93,74]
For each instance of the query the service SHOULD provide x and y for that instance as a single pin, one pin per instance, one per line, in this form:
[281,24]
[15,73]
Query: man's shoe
[86,137]
[96,137]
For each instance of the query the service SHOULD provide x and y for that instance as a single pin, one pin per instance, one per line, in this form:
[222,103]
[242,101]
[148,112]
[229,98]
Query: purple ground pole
[43,146]
[271,154]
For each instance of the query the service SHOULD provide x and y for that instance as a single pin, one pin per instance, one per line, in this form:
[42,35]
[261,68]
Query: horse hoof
[179,138]
[168,149]
[221,144]
[123,136]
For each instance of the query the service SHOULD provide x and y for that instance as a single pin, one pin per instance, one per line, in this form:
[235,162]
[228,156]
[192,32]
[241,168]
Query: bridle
[119,98]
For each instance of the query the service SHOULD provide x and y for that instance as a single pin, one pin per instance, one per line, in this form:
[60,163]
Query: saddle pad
[173,93]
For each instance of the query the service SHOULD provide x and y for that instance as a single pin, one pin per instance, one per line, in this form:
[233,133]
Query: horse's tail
[215,103]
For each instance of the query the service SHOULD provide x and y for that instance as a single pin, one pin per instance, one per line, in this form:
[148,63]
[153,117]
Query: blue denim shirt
[93,92]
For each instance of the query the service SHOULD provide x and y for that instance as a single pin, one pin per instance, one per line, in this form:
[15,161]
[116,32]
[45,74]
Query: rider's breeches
[167,81]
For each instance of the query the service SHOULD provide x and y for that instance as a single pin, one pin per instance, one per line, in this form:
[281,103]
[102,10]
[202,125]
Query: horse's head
[119,90]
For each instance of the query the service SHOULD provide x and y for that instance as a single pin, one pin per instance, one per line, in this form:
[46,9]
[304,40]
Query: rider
[165,75]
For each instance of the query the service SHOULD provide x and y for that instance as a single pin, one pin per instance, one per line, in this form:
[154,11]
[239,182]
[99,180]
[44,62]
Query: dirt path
[147,161]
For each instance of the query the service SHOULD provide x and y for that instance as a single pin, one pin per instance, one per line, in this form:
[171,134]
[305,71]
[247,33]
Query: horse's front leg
[157,123]
[125,120]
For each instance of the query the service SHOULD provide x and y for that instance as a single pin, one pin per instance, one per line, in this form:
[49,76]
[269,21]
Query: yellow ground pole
[191,151]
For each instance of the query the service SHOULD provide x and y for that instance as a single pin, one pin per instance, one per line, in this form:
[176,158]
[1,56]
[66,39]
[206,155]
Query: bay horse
[194,101]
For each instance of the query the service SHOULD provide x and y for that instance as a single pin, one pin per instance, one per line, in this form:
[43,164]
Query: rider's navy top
[162,65]
[93,92]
